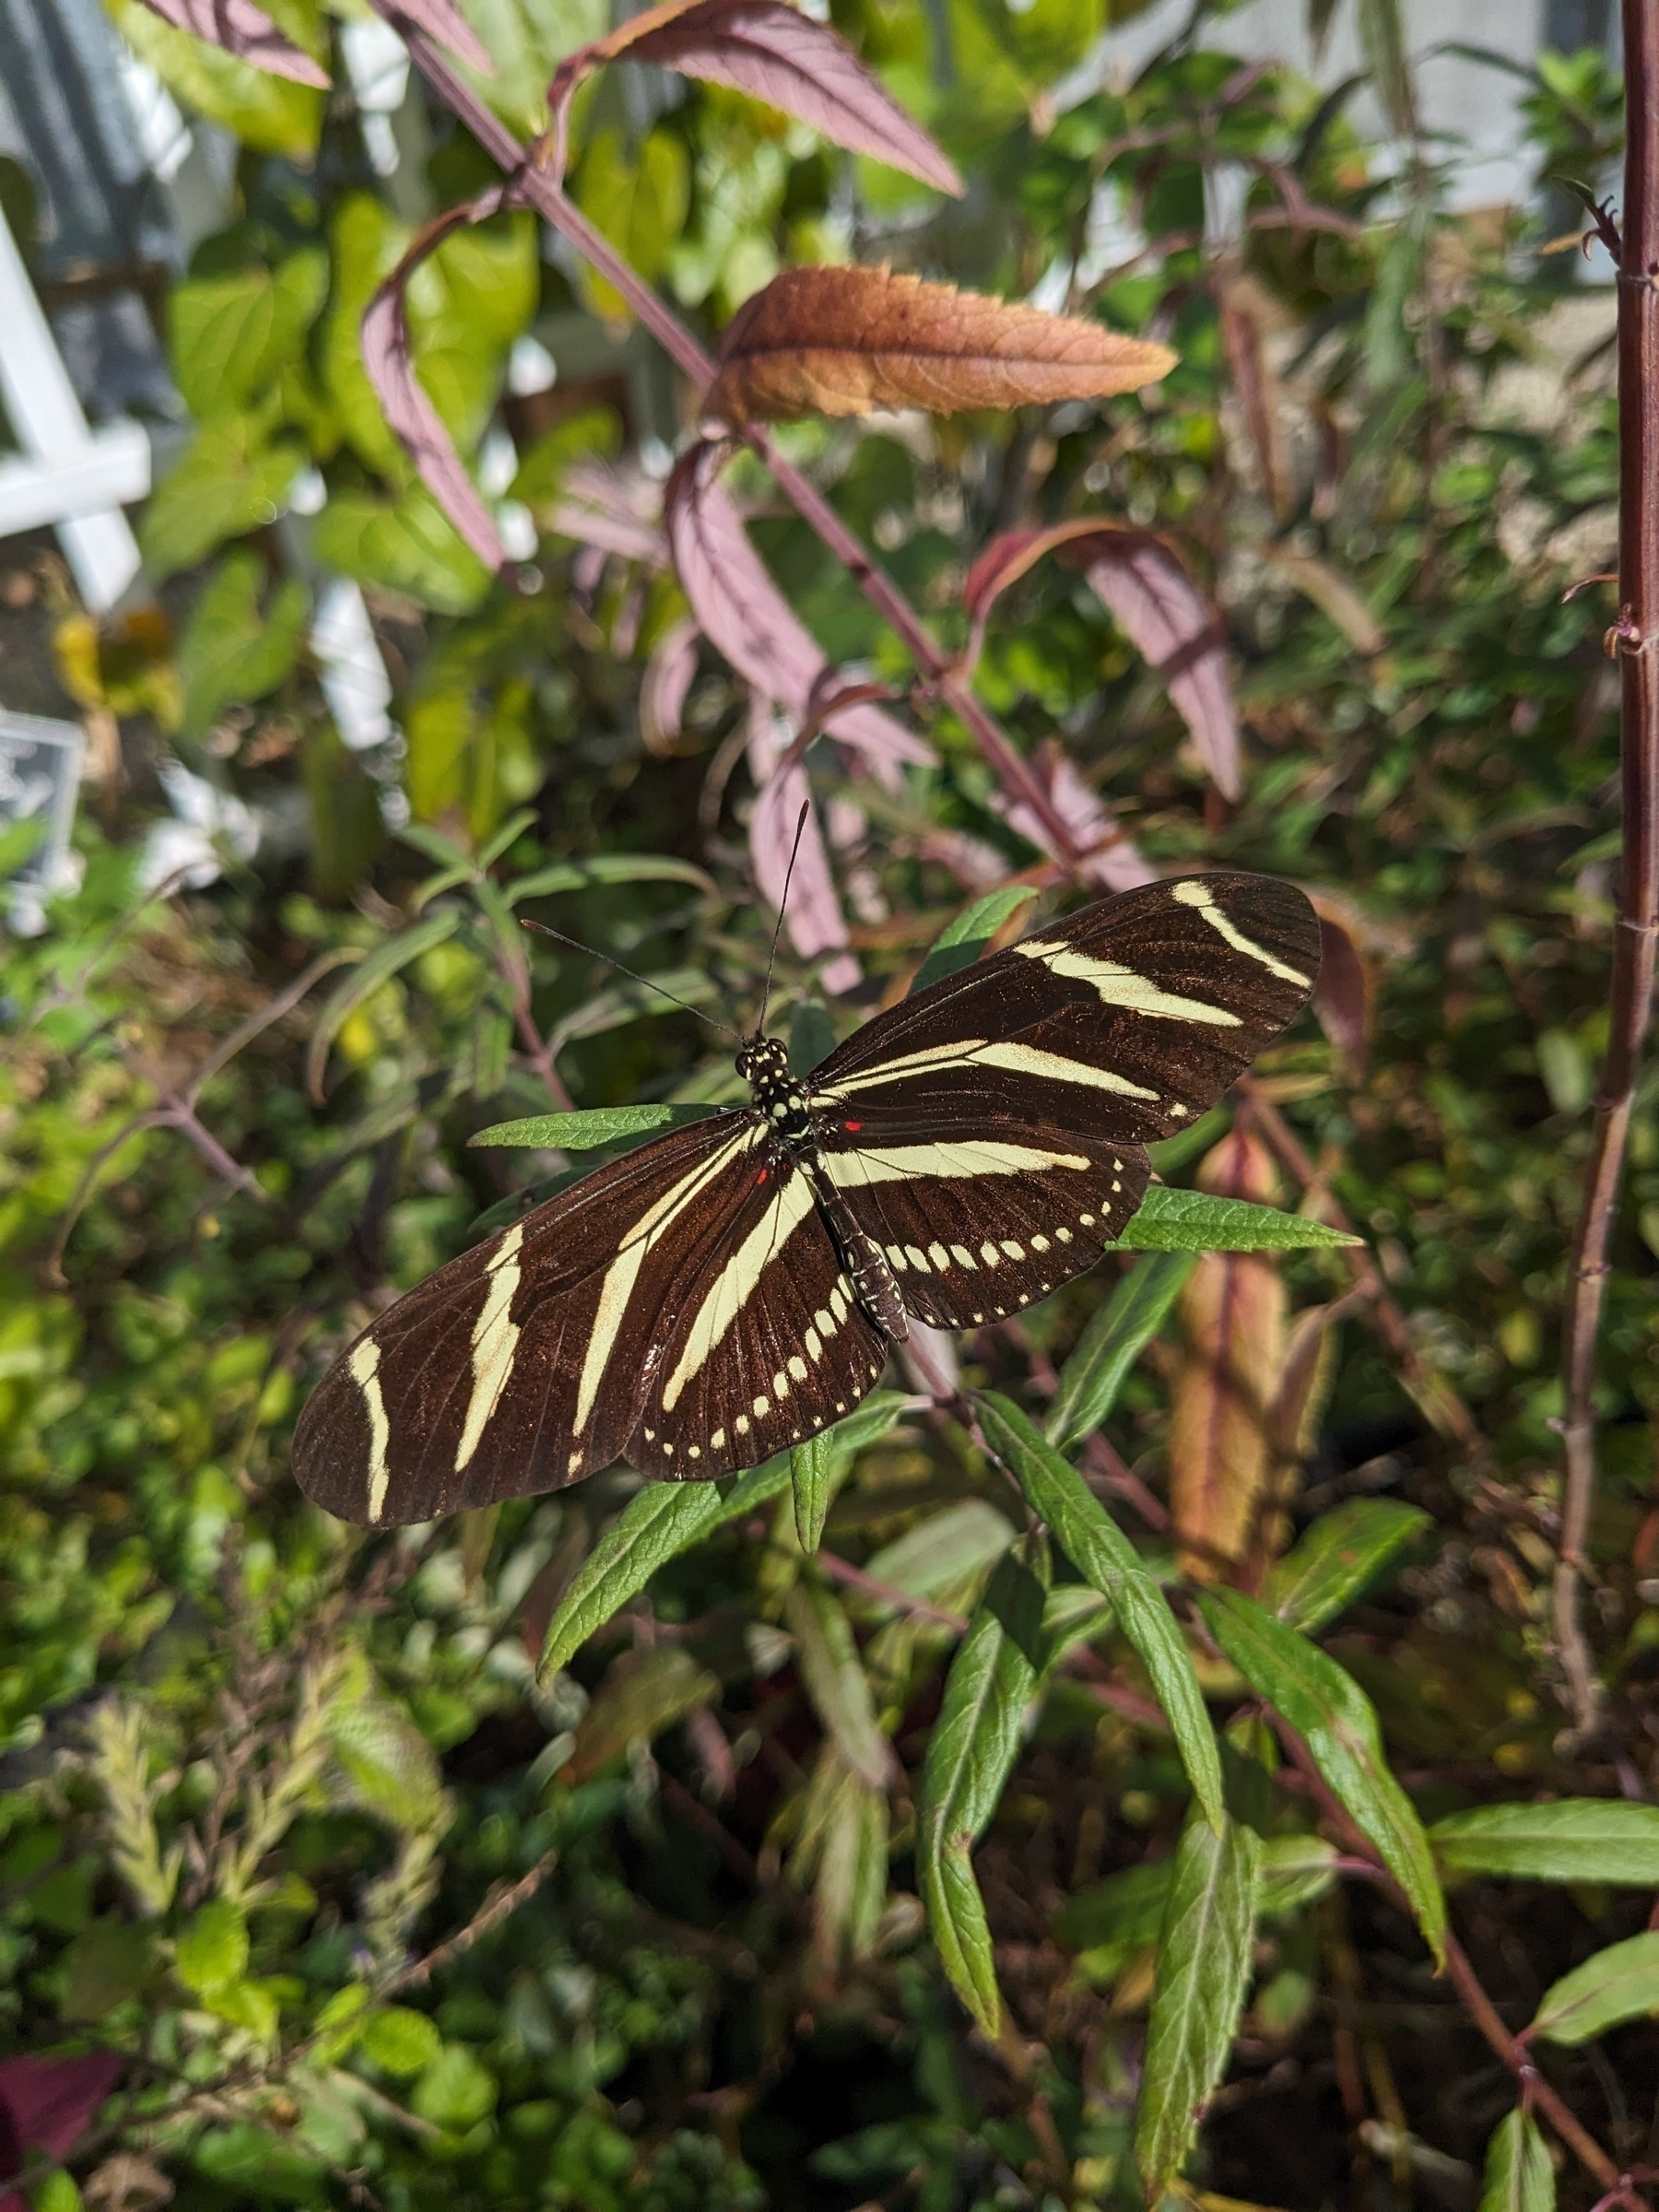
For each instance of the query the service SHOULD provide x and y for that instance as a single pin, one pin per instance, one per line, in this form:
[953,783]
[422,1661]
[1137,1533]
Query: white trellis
[75,477]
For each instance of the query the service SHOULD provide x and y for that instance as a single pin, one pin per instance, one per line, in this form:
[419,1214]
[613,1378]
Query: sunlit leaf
[1171,1221]
[1568,1839]
[1342,1555]
[1110,1345]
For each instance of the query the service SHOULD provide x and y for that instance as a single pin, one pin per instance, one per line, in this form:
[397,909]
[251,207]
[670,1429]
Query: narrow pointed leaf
[585,1131]
[809,1470]
[1101,1552]
[1110,1345]
[774,53]
[835,1678]
[605,867]
[388,357]
[846,341]
[1341,1556]
[1620,1983]
[1203,1965]
[245,31]
[657,1523]
[1519,2176]
[970,1754]
[1171,1221]
[1143,584]
[365,979]
[1573,1840]
[442,21]
[1332,1713]
[962,941]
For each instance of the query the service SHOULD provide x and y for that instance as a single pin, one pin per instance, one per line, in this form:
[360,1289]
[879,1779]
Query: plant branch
[538,186]
[1635,638]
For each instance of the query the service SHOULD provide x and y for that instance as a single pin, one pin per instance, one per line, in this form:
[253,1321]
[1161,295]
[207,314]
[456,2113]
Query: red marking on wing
[852,1128]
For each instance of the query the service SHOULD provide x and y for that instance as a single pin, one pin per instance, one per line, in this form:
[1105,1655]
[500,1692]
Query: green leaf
[455,2091]
[646,1690]
[229,481]
[1110,1345]
[638,202]
[212,1948]
[1296,1871]
[389,1769]
[1519,2176]
[1574,1839]
[1171,1221]
[835,1678]
[1329,1709]
[658,1523]
[586,1132]
[963,940]
[1620,1983]
[1341,1556]
[57,2193]
[365,978]
[270,114]
[1203,1965]
[605,867]
[1117,1917]
[810,1467]
[1101,1552]
[947,1547]
[407,544]
[230,336]
[401,2041]
[970,1753]
[811,1037]
[234,649]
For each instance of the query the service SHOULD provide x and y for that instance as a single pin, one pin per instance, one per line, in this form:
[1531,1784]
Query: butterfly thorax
[763,1063]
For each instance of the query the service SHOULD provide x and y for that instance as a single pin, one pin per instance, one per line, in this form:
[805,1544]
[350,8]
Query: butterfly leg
[861,1255]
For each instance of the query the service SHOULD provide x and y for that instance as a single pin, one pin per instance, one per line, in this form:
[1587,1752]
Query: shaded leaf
[390,361]
[1203,1967]
[835,1678]
[586,1132]
[1296,1870]
[943,1550]
[961,942]
[1572,1839]
[1109,1346]
[1519,2176]
[230,480]
[811,1036]
[1333,595]
[1620,1983]
[1332,1713]
[970,1754]
[846,341]
[365,978]
[1101,1552]
[645,1691]
[234,649]
[1341,1556]
[1171,1221]
[810,1467]
[658,1523]
[775,53]
[668,676]
[1344,990]
[605,867]
[1145,586]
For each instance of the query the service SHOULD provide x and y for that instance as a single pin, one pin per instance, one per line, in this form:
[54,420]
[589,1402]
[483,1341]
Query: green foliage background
[263,1774]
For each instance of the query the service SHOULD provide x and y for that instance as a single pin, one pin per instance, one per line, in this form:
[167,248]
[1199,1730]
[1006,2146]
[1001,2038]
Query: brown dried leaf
[391,366]
[747,617]
[777,54]
[1145,586]
[848,341]
[1222,1444]
[1345,991]
[245,31]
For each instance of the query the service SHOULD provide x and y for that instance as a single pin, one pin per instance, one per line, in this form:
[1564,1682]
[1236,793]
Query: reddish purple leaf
[614,509]
[391,367]
[444,22]
[668,676]
[1107,854]
[245,31]
[814,917]
[744,614]
[1343,993]
[47,2104]
[1143,583]
[777,54]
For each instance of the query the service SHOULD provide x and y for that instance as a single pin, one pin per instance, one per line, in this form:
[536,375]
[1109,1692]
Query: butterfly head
[763,1063]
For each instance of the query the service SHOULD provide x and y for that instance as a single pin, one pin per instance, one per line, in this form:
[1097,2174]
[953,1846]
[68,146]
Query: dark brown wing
[1123,1022]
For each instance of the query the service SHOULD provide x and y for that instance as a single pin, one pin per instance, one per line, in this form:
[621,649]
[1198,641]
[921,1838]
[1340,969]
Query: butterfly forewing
[1125,1021]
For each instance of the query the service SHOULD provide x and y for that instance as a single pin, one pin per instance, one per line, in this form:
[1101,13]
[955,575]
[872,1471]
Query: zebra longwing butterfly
[734,1287]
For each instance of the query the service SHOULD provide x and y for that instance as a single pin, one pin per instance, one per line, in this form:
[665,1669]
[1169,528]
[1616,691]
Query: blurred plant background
[299,1868]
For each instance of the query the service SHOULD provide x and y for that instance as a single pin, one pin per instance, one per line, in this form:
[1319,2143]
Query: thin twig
[503,1902]
[1635,637]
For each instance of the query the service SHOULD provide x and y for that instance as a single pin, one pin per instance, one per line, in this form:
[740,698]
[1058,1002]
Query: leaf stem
[1635,639]
[538,186]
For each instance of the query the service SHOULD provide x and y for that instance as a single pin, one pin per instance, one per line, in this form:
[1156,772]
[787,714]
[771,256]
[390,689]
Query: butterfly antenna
[633,974]
[772,956]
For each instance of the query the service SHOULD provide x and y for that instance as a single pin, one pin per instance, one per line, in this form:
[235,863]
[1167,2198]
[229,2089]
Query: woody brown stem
[1635,637]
